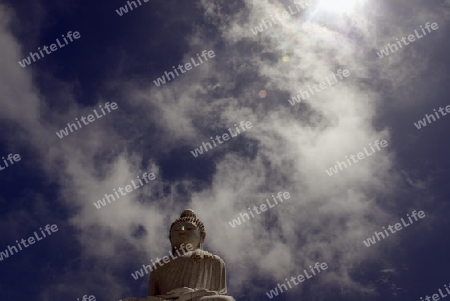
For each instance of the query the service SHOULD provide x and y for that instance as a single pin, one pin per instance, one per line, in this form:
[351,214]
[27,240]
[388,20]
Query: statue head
[187,229]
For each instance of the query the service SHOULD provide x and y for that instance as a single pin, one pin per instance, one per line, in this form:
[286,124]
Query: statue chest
[187,272]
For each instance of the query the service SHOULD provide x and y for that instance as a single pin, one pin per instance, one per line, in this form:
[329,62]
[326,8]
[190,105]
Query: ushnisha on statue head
[187,229]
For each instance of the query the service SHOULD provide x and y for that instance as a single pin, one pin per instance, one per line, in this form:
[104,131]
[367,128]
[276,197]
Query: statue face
[185,232]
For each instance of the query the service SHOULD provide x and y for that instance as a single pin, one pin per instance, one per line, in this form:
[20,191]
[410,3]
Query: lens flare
[262,93]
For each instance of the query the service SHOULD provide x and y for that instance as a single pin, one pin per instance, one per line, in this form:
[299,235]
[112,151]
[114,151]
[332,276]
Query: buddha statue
[194,275]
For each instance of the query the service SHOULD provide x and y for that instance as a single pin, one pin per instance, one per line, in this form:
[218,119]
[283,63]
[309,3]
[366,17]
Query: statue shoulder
[209,255]
[215,258]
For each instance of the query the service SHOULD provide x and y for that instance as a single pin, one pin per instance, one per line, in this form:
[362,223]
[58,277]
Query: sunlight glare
[339,6]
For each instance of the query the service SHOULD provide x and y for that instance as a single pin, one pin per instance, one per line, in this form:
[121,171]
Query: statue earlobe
[202,239]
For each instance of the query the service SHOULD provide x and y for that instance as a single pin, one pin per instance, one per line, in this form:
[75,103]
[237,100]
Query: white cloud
[326,218]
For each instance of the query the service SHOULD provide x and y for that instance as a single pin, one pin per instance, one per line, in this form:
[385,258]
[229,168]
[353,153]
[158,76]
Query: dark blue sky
[289,147]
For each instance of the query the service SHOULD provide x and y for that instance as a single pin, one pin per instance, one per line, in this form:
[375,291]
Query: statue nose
[182,228]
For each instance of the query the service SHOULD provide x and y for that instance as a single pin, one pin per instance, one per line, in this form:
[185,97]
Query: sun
[339,6]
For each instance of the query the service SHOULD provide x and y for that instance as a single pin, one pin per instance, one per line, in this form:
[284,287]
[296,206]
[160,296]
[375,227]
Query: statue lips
[181,236]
